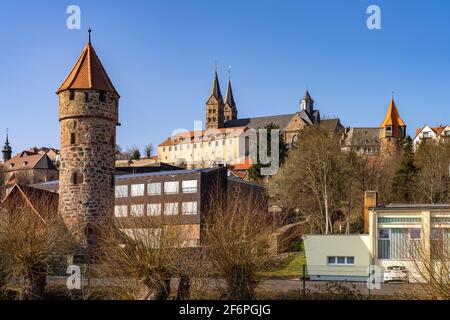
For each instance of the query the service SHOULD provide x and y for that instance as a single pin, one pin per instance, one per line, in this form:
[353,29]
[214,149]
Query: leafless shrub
[237,233]
[430,265]
[141,255]
[30,237]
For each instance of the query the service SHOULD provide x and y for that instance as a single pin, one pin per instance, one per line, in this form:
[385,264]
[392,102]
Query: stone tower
[392,132]
[215,106]
[6,151]
[230,109]
[88,116]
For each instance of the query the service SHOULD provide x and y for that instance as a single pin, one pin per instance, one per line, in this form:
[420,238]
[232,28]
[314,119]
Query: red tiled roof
[88,74]
[205,135]
[27,162]
[437,130]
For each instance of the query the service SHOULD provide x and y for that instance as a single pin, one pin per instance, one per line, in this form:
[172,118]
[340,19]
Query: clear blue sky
[160,55]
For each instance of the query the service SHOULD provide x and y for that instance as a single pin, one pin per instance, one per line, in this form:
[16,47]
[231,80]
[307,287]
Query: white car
[396,274]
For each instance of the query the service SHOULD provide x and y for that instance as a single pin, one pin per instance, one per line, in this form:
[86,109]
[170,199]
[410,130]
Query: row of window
[404,244]
[399,220]
[155,189]
[188,146]
[336,261]
[156,209]
[102,96]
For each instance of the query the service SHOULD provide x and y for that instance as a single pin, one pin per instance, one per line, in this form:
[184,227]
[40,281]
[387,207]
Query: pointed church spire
[7,150]
[307,103]
[88,73]
[215,91]
[7,137]
[307,96]
[229,98]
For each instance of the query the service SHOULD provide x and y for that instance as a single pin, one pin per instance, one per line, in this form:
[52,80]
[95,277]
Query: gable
[296,123]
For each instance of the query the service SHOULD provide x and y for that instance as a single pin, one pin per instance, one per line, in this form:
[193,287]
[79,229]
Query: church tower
[230,109]
[6,151]
[88,116]
[215,106]
[307,103]
[392,131]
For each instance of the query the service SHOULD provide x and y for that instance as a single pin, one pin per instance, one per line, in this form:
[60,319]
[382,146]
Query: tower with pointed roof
[230,109]
[307,103]
[392,131]
[88,116]
[215,106]
[7,150]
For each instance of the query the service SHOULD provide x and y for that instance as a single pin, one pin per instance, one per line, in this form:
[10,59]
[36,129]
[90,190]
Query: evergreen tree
[405,176]
[255,171]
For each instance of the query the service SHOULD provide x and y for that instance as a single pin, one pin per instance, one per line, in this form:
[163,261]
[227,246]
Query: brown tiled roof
[205,135]
[27,162]
[42,202]
[88,74]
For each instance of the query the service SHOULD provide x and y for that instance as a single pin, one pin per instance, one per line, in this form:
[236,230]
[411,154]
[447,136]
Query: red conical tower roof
[88,73]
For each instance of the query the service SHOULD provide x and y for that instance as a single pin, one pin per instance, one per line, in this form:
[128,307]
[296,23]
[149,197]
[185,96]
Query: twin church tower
[218,111]
[88,116]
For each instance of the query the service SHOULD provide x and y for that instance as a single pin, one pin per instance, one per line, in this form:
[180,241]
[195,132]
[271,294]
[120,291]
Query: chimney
[370,201]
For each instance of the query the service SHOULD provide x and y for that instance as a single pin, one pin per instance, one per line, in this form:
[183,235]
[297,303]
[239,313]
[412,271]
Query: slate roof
[281,121]
[362,136]
[229,98]
[215,90]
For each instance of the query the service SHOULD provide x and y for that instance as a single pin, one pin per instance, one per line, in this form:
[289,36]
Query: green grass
[289,267]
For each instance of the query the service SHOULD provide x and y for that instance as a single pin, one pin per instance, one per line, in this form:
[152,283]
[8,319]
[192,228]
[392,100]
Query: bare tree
[433,179]
[30,237]
[148,150]
[310,179]
[237,235]
[142,254]
[429,264]
[134,152]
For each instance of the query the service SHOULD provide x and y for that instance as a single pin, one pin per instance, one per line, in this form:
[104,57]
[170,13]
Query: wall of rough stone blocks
[88,139]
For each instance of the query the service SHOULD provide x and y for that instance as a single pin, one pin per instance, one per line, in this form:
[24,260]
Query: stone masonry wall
[88,139]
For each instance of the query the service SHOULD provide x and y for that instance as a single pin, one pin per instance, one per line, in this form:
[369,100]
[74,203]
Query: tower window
[71,95]
[86,97]
[76,178]
[73,138]
[102,96]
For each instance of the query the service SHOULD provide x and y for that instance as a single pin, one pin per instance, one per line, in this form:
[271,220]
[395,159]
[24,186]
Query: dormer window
[25,163]
[12,165]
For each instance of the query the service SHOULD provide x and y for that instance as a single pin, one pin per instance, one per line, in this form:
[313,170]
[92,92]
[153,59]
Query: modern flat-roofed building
[396,235]
[182,197]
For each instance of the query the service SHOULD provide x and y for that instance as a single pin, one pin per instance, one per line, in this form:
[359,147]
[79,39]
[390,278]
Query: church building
[227,138]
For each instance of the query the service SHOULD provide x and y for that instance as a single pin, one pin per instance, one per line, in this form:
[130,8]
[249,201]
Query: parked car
[396,274]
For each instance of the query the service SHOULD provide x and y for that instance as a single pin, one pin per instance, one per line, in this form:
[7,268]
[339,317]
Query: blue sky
[160,55]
